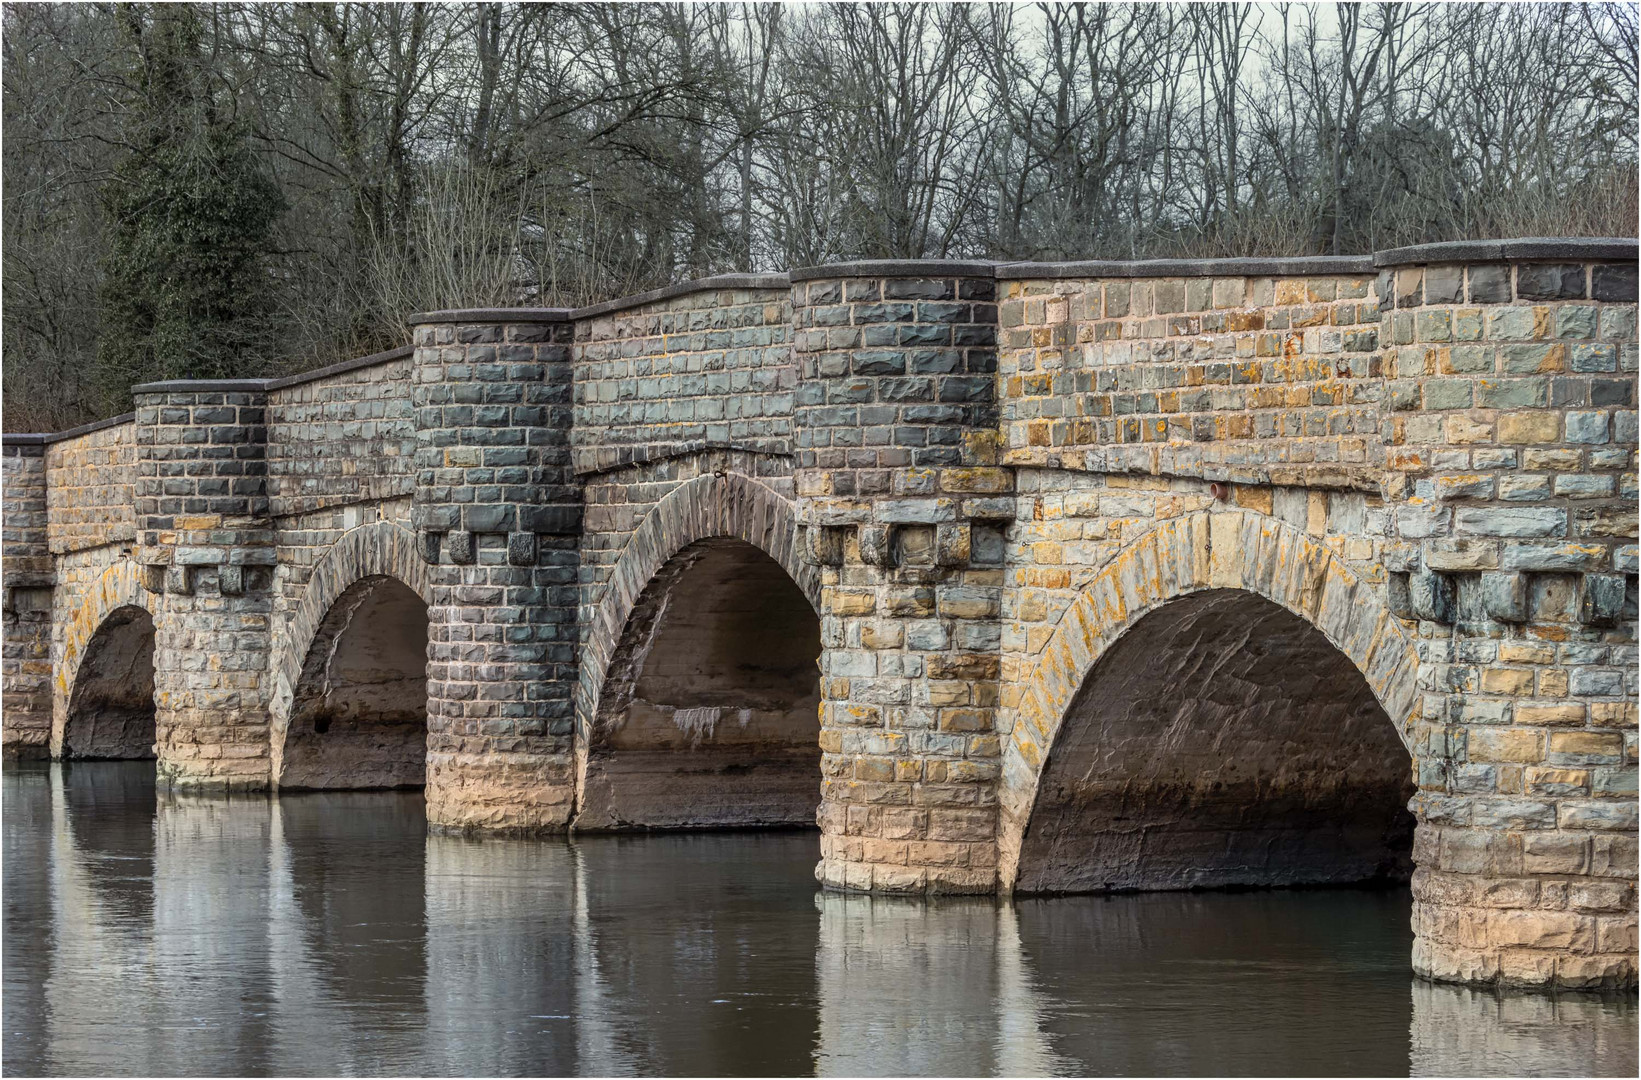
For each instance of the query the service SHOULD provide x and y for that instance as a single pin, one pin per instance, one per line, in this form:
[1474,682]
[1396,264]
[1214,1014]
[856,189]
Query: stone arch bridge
[1044,577]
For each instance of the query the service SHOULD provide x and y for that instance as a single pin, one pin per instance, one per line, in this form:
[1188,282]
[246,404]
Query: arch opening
[1222,742]
[111,711]
[709,712]
[358,716]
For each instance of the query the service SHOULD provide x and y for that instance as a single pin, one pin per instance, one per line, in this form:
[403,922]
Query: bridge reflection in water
[327,933]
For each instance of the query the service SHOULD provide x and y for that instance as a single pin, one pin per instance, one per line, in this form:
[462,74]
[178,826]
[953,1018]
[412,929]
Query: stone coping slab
[48,437]
[918,268]
[1298,266]
[1564,248]
[341,368]
[493,315]
[683,288]
[202,386]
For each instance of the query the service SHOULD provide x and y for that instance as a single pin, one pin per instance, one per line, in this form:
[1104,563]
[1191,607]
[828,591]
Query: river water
[329,934]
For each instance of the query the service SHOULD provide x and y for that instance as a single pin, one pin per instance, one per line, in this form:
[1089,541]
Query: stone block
[489,518]
[952,544]
[179,580]
[1550,281]
[1615,282]
[1510,521]
[553,520]
[1587,427]
[1430,596]
[1489,284]
[231,580]
[461,546]
[1601,599]
[521,549]
[1504,596]
[824,545]
[877,545]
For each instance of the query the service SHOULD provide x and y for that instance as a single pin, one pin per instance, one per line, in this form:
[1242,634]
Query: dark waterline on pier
[329,934]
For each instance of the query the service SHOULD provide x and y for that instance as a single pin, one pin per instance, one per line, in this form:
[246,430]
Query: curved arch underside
[708,715]
[1222,741]
[359,713]
[111,711]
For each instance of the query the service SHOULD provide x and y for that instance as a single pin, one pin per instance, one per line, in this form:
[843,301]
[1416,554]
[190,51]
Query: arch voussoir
[701,508]
[118,586]
[1227,549]
[378,549]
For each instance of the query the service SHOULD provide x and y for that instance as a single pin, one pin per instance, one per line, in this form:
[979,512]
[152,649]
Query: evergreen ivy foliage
[192,210]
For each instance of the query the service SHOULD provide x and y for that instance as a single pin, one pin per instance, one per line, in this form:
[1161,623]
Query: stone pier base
[1482,915]
[500,792]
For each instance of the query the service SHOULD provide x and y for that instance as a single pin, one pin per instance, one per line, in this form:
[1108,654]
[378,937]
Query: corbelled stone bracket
[1601,599]
[877,545]
[1504,596]
[825,545]
[1430,596]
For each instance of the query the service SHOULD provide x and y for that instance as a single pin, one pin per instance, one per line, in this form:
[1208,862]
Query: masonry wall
[93,478]
[1429,455]
[707,368]
[26,578]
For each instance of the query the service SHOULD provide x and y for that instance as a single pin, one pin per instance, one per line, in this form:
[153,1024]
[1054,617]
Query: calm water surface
[328,934]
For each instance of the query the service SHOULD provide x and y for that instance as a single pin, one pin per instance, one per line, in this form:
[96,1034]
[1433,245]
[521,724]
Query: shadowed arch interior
[359,713]
[111,711]
[1222,741]
[709,712]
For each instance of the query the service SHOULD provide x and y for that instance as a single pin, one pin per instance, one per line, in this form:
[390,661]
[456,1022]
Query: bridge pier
[497,514]
[205,547]
[25,606]
[899,490]
[1509,442]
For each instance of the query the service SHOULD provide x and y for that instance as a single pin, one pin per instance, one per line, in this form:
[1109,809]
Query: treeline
[249,189]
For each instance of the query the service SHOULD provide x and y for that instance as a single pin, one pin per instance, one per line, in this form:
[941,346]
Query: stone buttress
[497,516]
[902,503]
[205,547]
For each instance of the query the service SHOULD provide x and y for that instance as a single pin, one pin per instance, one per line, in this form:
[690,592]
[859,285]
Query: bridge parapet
[683,370]
[1255,371]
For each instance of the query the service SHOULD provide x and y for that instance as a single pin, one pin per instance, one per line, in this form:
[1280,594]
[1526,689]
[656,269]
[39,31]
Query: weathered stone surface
[990,500]
[1303,782]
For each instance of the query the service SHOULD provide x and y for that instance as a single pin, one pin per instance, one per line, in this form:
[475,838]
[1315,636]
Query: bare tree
[508,152]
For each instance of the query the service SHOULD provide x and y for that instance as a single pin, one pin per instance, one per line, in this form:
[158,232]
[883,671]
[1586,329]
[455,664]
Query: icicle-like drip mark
[698,723]
[341,631]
